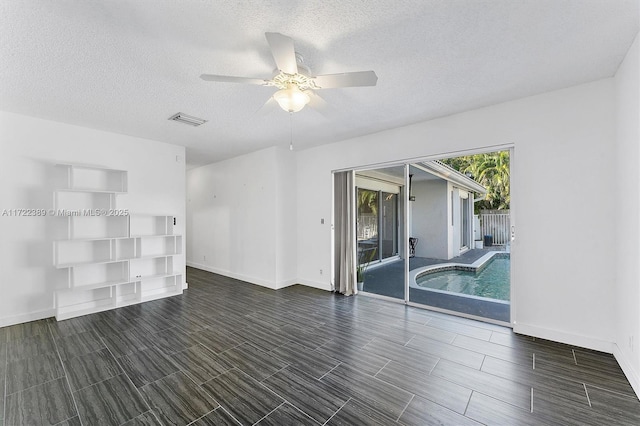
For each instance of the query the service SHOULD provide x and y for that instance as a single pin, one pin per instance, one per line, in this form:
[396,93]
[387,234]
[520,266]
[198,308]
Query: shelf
[98,227]
[84,263]
[69,253]
[82,302]
[88,263]
[68,240]
[151,226]
[98,256]
[161,295]
[66,312]
[127,237]
[80,178]
[99,285]
[104,261]
[151,277]
[128,302]
[127,294]
[155,256]
[90,190]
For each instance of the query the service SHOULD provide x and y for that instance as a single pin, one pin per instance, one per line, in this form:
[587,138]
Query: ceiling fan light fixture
[291,99]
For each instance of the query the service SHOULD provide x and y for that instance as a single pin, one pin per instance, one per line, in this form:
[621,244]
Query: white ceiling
[126,66]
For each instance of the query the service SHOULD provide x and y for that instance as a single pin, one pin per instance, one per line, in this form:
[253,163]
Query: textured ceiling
[126,66]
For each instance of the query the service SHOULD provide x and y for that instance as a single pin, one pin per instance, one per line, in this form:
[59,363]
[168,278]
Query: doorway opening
[437,234]
[463,266]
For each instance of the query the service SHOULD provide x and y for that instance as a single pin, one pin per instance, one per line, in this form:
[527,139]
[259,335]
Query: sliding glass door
[428,234]
[451,271]
[379,208]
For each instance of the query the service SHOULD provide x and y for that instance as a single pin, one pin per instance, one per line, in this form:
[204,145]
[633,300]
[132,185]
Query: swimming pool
[491,282]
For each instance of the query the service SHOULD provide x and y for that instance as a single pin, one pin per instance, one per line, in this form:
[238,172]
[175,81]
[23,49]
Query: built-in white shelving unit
[109,258]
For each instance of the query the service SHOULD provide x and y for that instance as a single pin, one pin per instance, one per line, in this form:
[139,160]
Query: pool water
[491,282]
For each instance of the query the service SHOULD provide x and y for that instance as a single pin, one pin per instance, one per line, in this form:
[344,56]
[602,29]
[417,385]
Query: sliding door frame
[405,163]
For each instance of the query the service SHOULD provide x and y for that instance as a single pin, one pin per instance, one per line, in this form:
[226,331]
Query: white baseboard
[241,277]
[627,369]
[31,316]
[286,283]
[264,283]
[315,284]
[563,337]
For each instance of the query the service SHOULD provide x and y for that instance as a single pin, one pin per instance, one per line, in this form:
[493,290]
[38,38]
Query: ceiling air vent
[181,117]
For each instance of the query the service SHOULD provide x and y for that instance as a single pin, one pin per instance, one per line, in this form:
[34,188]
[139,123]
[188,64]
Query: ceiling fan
[294,79]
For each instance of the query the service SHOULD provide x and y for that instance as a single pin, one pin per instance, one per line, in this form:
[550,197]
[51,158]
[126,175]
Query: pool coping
[476,266]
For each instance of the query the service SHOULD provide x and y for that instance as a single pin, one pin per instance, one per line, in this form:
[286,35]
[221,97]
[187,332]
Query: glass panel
[442,227]
[389,228]
[367,229]
[379,196]
[465,235]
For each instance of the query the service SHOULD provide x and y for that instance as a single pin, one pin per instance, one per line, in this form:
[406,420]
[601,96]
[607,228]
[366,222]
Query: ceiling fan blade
[346,79]
[316,102]
[231,79]
[283,52]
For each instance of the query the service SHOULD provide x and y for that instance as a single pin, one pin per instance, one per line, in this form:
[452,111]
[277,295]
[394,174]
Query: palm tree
[367,201]
[491,171]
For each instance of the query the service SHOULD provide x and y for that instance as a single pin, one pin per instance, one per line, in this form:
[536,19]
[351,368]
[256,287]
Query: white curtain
[344,236]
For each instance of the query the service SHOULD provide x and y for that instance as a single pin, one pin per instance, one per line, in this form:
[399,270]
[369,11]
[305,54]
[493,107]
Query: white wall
[430,218]
[627,216]
[241,217]
[286,218]
[30,148]
[563,160]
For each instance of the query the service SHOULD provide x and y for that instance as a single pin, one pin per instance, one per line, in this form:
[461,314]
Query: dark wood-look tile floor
[228,353]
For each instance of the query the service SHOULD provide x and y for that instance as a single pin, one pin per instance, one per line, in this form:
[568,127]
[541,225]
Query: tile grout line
[127,376]
[179,367]
[534,360]
[35,386]
[230,415]
[155,416]
[104,380]
[378,372]
[531,400]
[405,407]
[466,407]
[221,352]
[321,377]
[409,341]
[587,393]
[297,409]
[204,415]
[273,374]
[338,410]
[269,413]
[624,395]
[368,343]
[66,376]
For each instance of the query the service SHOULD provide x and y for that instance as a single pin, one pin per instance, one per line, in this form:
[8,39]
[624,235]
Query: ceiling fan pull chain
[291,134]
